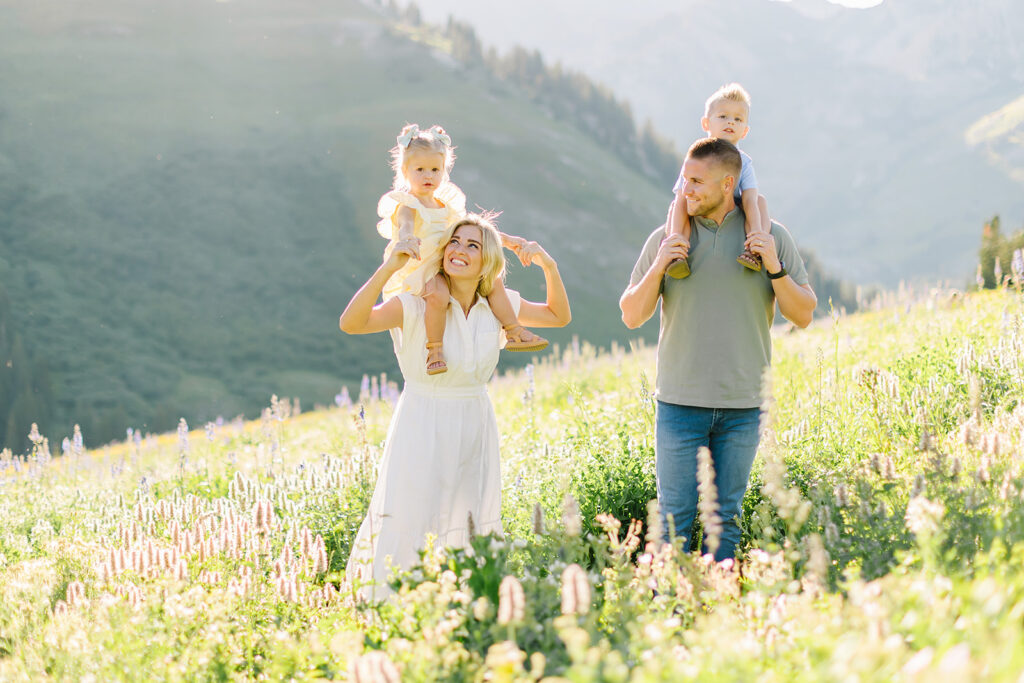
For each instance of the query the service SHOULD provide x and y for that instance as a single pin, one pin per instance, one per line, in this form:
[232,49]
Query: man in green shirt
[715,342]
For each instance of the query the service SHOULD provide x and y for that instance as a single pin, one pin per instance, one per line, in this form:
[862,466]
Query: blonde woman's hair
[732,92]
[493,257]
[412,139]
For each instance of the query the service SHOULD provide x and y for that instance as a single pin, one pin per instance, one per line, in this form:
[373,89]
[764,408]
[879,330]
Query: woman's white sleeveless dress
[441,454]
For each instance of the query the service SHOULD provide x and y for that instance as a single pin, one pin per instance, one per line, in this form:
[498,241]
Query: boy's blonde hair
[412,139]
[732,92]
[493,266]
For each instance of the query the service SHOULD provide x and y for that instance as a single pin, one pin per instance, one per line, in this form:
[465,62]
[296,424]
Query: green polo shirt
[715,339]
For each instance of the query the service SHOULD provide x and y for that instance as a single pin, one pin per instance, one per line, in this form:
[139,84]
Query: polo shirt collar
[711,225]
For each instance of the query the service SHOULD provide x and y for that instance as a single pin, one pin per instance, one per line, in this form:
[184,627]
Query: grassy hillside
[1001,135]
[858,118]
[884,532]
[188,194]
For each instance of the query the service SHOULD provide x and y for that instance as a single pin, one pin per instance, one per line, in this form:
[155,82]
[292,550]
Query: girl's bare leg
[518,337]
[437,298]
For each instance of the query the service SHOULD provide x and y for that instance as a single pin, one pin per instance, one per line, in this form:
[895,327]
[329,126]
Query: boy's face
[727,120]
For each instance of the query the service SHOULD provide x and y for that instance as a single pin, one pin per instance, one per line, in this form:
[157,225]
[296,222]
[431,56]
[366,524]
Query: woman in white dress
[441,455]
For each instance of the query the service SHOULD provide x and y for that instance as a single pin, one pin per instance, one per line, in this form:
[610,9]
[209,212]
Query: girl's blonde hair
[412,139]
[493,266]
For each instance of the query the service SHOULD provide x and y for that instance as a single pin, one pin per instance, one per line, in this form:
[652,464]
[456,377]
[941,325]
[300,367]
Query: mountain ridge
[852,147]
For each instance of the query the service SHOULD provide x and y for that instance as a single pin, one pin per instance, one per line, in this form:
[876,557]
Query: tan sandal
[437,365]
[678,269]
[522,344]
[749,259]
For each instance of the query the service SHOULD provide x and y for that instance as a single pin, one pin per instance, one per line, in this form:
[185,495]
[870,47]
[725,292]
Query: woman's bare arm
[554,312]
[364,315]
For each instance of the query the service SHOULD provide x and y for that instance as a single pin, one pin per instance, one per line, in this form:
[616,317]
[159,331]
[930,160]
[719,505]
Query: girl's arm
[555,311]
[361,316]
[406,218]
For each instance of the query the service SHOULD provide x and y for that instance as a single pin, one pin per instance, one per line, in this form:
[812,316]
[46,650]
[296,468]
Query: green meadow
[884,531]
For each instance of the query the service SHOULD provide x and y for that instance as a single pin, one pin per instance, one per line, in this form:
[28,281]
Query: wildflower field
[884,531]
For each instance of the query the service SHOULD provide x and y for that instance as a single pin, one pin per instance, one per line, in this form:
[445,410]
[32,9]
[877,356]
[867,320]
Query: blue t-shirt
[747,180]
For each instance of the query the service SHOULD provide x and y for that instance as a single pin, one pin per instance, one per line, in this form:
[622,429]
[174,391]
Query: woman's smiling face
[463,255]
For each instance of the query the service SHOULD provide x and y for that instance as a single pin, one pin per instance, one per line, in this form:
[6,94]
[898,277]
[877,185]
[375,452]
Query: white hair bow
[405,138]
[438,132]
[413,132]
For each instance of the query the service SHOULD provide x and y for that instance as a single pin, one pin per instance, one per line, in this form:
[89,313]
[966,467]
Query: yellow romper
[430,227]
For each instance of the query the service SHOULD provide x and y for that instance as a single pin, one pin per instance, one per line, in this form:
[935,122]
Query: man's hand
[763,244]
[672,247]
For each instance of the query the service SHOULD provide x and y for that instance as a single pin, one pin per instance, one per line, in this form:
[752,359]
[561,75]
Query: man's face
[727,120]
[704,185]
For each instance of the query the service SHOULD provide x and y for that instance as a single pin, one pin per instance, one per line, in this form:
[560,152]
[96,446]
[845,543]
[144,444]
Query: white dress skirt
[441,454]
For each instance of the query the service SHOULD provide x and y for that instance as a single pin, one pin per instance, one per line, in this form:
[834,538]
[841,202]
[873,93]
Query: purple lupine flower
[183,442]
[77,441]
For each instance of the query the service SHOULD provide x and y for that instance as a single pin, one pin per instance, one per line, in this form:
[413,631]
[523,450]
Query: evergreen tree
[26,388]
[411,15]
[995,248]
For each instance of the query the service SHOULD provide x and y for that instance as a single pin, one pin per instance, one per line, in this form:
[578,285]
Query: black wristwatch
[782,271]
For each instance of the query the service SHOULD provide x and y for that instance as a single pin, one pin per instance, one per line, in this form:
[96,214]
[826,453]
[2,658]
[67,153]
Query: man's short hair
[733,92]
[721,151]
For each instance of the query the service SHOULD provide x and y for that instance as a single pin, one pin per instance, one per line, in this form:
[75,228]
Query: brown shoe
[435,359]
[518,338]
[749,259]
[678,269]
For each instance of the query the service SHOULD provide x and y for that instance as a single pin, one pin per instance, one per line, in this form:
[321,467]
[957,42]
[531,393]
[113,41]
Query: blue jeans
[732,435]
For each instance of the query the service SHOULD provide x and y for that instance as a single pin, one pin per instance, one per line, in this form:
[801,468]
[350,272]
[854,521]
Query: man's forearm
[639,301]
[796,302]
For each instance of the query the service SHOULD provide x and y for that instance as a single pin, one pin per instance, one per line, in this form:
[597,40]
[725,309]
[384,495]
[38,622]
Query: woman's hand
[363,315]
[403,250]
[554,312]
[531,253]
[512,242]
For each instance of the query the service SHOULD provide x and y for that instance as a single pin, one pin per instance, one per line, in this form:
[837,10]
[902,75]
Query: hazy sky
[853,3]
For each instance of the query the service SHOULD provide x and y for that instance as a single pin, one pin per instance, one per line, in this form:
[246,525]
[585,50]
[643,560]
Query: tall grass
[884,531]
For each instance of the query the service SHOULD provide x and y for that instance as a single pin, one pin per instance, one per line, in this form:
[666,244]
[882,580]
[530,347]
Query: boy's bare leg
[678,223]
[766,221]
[436,297]
[755,207]
[518,338]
